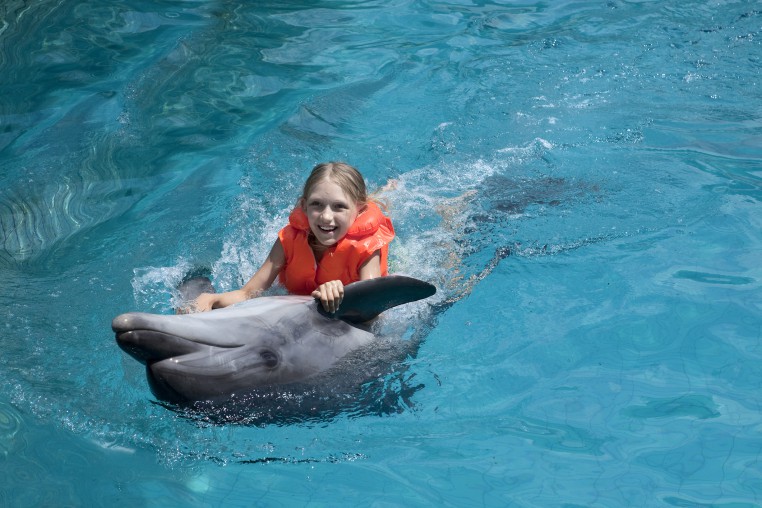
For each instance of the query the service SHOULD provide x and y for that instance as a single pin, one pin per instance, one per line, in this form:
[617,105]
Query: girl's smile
[330,212]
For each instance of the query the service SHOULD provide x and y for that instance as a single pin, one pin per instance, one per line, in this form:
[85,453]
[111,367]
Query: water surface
[581,180]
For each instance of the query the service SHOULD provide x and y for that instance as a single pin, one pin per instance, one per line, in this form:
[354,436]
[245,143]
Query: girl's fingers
[338,294]
[330,294]
[203,303]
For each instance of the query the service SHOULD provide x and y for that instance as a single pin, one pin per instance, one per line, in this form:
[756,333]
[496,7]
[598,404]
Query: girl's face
[330,212]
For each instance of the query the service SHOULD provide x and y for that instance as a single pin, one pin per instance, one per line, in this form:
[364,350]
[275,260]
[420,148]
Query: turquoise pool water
[581,180]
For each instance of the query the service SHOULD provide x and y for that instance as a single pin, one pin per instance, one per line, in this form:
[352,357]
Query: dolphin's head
[258,343]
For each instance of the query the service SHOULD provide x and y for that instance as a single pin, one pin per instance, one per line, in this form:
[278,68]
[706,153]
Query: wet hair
[342,174]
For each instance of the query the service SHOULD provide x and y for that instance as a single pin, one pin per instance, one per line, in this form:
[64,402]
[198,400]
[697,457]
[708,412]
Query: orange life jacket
[370,232]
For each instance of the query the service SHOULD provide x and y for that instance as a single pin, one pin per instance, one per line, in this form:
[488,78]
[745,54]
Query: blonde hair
[345,176]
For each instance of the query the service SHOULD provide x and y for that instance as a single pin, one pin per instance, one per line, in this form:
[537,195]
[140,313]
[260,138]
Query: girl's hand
[330,295]
[205,302]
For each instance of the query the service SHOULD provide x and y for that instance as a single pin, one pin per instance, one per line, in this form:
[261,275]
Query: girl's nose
[327,214]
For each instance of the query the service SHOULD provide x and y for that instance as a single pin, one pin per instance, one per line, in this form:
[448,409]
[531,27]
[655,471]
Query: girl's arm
[331,293]
[372,267]
[261,280]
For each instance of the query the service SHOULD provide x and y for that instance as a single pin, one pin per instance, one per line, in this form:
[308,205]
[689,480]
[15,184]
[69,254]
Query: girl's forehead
[329,189]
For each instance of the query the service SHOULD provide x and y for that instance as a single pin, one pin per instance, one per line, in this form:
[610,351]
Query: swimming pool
[581,180]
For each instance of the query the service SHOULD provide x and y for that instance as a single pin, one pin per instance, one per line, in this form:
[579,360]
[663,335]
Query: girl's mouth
[327,229]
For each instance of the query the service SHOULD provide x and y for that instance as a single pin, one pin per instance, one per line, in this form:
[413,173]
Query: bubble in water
[155,288]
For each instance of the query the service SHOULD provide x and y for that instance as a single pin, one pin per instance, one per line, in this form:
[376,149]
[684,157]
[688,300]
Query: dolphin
[258,344]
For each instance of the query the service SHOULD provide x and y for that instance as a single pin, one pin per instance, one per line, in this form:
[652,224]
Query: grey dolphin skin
[263,342]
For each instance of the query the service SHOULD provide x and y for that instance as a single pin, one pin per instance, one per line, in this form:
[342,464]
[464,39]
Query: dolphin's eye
[270,359]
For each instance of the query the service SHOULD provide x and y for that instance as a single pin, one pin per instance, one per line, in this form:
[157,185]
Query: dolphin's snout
[137,335]
[123,322]
[132,321]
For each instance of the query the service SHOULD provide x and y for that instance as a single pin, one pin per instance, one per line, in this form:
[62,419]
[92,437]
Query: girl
[334,236]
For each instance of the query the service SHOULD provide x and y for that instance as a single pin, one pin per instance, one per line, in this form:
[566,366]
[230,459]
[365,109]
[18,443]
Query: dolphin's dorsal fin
[366,299]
